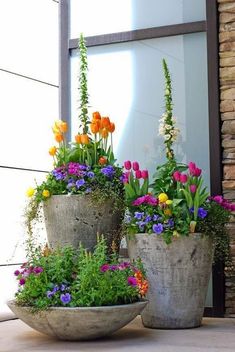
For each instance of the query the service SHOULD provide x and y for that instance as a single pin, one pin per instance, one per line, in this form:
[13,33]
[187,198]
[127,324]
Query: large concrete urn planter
[71,219]
[78,323]
[178,276]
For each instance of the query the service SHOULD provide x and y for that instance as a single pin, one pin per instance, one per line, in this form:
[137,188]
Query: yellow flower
[46,193]
[167,212]
[176,234]
[169,202]
[163,197]
[52,151]
[30,192]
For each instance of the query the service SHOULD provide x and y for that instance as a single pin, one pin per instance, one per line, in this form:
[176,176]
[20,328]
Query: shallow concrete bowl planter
[71,219]
[178,276]
[85,323]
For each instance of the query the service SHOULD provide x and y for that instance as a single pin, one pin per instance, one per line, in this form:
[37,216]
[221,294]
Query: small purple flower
[80,183]
[170,223]
[158,228]
[132,281]
[108,171]
[113,267]
[22,281]
[138,215]
[65,298]
[202,213]
[63,287]
[83,167]
[50,294]
[55,289]
[156,217]
[104,268]
[90,174]
[141,225]
[70,185]
[148,218]
[17,272]
[88,190]
[123,265]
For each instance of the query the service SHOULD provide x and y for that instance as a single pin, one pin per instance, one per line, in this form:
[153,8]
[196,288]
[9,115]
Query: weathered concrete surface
[79,323]
[215,335]
[73,219]
[178,276]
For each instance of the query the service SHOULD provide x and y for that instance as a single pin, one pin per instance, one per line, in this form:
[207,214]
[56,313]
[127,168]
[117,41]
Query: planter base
[85,323]
[178,276]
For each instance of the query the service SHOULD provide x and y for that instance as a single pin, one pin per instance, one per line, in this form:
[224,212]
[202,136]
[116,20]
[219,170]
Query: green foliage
[76,278]
[83,116]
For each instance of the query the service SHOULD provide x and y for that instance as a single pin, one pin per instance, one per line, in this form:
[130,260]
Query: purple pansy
[158,228]
[65,298]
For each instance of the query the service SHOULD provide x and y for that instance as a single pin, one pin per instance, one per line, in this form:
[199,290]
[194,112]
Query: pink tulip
[145,174]
[183,178]
[136,166]
[127,165]
[193,188]
[192,167]
[138,174]
[176,176]
[197,172]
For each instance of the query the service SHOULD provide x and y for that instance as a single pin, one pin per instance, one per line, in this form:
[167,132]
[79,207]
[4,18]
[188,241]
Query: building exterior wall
[227,108]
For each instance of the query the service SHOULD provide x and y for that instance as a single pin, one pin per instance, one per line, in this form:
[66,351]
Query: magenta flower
[127,165]
[193,188]
[135,166]
[132,281]
[194,170]
[138,174]
[38,270]
[183,178]
[197,172]
[192,167]
[104,268]
[147,199]
[218,199]
[22,281]
[17,272]
[145,174]
[176,175]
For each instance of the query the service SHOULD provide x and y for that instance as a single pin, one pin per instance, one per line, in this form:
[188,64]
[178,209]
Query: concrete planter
[71,219]
[78,323]
[178,276]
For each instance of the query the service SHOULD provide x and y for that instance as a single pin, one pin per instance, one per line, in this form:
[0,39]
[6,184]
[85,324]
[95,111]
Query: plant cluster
[176,203]
[86,165]
[76,278]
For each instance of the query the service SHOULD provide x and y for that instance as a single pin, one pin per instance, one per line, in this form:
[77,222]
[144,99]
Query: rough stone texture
[178,276]
[84,220]
[227,108]
[83,323]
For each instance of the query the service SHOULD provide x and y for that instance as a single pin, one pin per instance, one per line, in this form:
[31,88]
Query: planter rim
[144,301]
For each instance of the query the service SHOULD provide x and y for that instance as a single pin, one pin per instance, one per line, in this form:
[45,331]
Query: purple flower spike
[65,298]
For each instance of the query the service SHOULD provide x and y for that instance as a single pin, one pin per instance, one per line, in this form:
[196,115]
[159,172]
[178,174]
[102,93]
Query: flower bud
[138,174]
[127,165]
[145,174]
[135,166]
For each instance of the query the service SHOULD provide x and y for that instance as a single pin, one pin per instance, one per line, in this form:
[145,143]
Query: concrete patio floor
[214,335]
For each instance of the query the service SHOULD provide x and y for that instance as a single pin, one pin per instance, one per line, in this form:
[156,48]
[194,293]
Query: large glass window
[105,16]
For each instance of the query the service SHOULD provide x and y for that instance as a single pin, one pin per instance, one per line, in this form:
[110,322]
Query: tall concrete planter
[178,276]
[71,219]
[79,323]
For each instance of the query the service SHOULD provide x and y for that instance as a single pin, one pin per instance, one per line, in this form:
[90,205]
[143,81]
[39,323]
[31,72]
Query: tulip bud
[197,172]
[183,178]
[145,174]
[127,165]
[138,174]
[193,188]
[136,166]
[176,176]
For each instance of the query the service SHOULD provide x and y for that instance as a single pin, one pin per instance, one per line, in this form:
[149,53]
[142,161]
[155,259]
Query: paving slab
[215,335]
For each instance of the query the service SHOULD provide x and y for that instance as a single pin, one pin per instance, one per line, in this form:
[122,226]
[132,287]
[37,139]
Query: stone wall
[227,108]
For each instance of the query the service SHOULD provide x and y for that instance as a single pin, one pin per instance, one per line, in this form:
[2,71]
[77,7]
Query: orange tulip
[94,127]
[96,115]
[59,137]
[78,138]
[63,127]
[111,127]
[84,139]
[105,122]
[104,133]
[52,151]
[102,160]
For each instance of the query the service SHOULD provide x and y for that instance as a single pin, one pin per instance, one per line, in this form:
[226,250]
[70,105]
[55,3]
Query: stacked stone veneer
[227,108]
